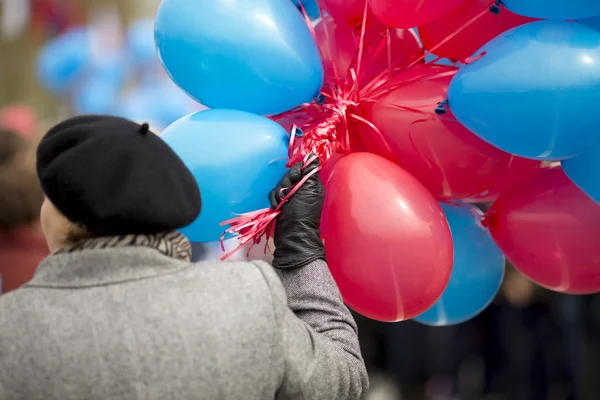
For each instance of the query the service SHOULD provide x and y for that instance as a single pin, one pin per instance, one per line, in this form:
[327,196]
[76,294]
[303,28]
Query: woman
[22,244]
[118,311]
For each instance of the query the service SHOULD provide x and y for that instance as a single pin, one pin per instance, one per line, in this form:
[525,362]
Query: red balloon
[442,154]
[550,231]
[519,170]
[411,13]
[350,12]
[339,45]
[472,37]
[388,243]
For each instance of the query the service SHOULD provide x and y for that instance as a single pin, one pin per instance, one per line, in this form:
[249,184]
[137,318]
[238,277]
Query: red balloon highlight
[473,36]
[443,155]
[388,243]
[550,231]
[411,13]
[339,45]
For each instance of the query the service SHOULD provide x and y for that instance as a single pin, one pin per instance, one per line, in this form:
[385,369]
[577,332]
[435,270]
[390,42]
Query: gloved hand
[297,228]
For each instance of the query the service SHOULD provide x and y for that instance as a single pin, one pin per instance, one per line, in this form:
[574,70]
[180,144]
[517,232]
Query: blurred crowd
[529,344]
[22,245]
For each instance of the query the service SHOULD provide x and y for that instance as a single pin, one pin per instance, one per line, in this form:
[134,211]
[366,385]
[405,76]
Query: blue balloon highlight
[236,158]
[477,271]
[535,93]
[584,171]
[554,9]
[257,56]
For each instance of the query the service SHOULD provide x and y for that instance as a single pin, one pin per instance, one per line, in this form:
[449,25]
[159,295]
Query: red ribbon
[253,226]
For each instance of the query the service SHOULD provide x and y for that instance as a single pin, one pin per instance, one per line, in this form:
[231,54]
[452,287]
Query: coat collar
[104,267]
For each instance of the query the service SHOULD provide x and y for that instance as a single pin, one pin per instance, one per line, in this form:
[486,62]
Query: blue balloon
[442,61]
[257,56]
[140,43]
[140,104]
[95,95]
[554,9]
[236,158]
[100,88]
[584,171]
[63,60]
[477,271]
[310,6]
[593,22]
[535,93]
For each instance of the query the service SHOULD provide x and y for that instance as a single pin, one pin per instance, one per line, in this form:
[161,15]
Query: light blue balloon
[584,171]
[236,158]
[63,60]
[535,93]
[140,43]
[257,56]
[554,9]
[477,271]
[593,22]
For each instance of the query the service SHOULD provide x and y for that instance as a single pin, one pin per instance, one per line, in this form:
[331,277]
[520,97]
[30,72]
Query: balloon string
[253,226]
[389,56]
[377,79]
[427,75]
[361,46]
[385,146]
[307,19]
[470,60]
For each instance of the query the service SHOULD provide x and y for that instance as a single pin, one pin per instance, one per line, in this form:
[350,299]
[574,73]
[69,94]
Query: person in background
[119,312]
[22,245]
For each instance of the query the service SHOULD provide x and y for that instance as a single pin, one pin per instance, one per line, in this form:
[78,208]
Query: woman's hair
[20,193]
[78,232]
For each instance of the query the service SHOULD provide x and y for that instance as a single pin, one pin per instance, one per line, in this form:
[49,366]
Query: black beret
[116,177]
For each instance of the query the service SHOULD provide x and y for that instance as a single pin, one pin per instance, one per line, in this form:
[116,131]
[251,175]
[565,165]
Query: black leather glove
[297,228]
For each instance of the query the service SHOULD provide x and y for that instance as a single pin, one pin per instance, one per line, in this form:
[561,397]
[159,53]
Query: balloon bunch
[96,76]
[416,108]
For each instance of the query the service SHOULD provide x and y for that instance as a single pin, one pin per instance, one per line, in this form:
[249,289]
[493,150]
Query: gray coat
[131,323]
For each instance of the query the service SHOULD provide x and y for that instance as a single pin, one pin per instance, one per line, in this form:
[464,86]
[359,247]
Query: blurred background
[66,57]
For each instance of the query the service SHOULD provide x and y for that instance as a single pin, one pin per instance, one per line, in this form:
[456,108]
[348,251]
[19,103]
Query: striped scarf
[172,244]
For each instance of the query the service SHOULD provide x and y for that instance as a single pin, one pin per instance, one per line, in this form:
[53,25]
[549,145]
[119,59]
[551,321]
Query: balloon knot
[320,99]
[441,107]
[495,9]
